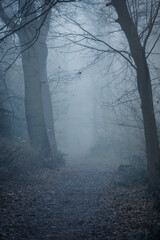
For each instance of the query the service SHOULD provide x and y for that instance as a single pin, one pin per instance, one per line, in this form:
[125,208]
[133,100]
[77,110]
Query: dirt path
[76,203]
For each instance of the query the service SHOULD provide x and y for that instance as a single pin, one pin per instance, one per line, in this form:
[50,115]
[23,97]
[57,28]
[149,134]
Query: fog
[91,82]
[90,92]
[84,95]
[79,119]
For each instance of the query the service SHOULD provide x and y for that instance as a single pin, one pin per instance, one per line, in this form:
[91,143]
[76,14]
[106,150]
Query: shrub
[16,158]
[133,173]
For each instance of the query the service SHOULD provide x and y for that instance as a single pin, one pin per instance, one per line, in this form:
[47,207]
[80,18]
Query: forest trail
[78,202]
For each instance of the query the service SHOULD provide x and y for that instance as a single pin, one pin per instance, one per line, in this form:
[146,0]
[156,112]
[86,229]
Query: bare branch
[45,8]
[8,21]
[151,25]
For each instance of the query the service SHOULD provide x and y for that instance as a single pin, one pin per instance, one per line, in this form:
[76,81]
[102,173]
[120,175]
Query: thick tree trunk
[47,103]
[38,106]
[46,95]
[33,97]
[145,91]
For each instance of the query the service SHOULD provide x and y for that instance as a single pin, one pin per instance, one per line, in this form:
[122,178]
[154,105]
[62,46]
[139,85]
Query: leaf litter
[77,202]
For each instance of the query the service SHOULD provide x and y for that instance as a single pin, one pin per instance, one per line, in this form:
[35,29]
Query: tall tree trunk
[34,61]
[46,95]
[33,96]
[46,98]
[38,105]
[145,91]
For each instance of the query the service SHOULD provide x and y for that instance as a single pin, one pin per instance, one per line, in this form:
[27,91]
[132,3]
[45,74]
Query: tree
[31,27]
[138,20]
[144,87]
[39,115]
[31,68]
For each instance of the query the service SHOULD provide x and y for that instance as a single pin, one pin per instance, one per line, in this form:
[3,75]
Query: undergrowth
[17,158]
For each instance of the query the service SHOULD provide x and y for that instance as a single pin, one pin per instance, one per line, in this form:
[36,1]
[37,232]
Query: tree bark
[145,91]
[46,98]
[33,96]
[38,106]
[46,95]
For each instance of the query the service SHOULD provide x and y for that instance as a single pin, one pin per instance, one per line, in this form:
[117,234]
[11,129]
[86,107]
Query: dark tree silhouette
[144,86]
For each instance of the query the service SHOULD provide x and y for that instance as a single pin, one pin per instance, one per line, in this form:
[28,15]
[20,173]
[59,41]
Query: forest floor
[80,201]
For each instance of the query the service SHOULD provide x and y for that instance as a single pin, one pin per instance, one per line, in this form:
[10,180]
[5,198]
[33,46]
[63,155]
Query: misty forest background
[80,119]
